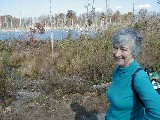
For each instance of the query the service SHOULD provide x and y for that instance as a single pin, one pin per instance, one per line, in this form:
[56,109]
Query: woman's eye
[115,48]
[124,49]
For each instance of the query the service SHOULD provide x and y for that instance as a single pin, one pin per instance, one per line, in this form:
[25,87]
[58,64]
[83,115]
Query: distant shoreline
[58,34]
[46,29]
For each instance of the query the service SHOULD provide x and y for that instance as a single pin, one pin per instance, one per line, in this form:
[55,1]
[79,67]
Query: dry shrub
[151,46]
[90,59]
[59,86]
[35,61]
[1,68]
[15,59]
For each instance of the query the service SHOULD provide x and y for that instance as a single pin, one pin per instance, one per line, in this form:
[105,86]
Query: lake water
[57,34]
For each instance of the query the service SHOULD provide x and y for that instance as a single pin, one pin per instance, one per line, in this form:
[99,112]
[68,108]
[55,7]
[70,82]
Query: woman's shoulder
[141,73]
[141,77]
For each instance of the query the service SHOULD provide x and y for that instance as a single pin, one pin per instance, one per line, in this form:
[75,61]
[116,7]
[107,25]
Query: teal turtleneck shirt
[124,104]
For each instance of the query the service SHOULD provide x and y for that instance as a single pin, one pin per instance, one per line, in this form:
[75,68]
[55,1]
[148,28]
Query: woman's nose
[118,53]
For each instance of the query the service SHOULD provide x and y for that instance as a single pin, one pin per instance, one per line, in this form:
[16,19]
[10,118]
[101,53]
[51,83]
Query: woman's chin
[119,63]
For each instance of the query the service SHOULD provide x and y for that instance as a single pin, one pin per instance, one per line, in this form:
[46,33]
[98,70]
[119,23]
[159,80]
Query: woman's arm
[148,95]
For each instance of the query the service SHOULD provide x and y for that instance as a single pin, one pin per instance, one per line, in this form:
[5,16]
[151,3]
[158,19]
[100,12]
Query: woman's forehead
[122,46]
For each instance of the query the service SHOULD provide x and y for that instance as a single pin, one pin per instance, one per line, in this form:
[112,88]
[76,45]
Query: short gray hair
[128,36]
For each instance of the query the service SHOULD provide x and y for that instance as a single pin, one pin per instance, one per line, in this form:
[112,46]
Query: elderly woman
[130,98]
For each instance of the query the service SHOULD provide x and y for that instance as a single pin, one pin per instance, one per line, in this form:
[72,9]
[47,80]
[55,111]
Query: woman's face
[122,55]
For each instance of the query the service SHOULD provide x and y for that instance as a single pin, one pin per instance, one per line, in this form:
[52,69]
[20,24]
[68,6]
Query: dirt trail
[32,104]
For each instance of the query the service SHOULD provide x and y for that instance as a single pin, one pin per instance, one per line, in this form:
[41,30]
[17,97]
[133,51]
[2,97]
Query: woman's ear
[140,53]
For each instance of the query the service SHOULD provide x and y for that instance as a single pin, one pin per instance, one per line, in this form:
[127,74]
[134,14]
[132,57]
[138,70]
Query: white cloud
[118,7]
[99,10]
[145,6]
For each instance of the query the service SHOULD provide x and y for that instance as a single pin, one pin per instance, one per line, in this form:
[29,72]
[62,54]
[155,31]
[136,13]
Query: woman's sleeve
[148,95]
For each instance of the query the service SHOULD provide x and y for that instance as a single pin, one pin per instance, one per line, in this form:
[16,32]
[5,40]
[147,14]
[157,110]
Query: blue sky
[29,8]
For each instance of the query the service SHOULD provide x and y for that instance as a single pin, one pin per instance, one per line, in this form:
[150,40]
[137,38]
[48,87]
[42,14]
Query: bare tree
[116,16]
[70,16]
[109,15]
[142,13]
[106,13]
[61,20]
